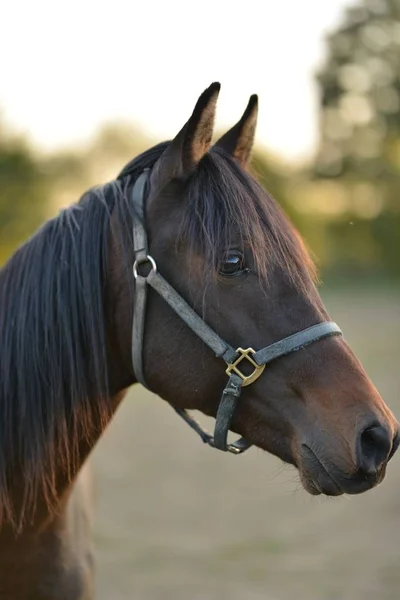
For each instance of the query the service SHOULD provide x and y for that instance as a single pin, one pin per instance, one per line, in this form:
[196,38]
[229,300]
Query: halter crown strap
[141,252]
[233,358]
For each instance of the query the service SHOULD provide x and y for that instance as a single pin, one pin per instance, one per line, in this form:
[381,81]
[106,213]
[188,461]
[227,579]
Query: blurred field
[177,520]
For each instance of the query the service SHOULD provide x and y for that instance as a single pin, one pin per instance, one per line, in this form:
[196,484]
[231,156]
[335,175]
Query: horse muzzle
[375,447]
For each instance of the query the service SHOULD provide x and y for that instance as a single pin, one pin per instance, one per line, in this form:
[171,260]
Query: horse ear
[195,137]
[238,141]
[193,141]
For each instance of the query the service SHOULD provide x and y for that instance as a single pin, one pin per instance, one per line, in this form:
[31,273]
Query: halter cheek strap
[233,358]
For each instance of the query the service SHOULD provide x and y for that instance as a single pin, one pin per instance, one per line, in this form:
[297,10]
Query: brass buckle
[246,379]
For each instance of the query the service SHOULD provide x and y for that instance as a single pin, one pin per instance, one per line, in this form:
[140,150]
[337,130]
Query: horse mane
[53,383]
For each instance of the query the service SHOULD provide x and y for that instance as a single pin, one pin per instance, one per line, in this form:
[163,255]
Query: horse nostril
[375,444]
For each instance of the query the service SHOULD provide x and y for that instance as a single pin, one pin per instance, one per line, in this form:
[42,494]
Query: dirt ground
[176,520]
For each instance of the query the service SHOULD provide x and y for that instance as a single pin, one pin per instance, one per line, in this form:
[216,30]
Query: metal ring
[237,447]
[141,261]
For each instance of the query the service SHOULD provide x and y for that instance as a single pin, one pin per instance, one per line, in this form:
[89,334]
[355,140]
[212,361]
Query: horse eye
[232,264]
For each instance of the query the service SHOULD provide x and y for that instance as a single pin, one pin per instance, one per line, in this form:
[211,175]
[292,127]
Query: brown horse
[67,300]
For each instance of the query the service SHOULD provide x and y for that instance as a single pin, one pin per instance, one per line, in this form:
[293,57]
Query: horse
[143,280]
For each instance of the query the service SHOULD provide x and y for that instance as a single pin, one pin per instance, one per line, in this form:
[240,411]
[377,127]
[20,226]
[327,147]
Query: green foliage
[360,137]
[34,187]
[23,194]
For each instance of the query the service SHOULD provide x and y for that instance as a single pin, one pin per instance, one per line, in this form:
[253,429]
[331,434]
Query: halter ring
[141,261]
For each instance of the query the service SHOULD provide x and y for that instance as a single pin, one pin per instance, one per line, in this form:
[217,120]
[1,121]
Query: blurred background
[85,86]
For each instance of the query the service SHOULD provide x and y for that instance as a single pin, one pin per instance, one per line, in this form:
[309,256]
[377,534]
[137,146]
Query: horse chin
[318,479]
[317,484]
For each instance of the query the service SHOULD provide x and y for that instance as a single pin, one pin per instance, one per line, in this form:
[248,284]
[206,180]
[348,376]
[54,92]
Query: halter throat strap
[222,349]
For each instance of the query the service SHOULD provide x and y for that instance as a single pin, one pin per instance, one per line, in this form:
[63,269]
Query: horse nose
[375,444]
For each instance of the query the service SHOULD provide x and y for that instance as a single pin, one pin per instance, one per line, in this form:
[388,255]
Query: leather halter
[233,358]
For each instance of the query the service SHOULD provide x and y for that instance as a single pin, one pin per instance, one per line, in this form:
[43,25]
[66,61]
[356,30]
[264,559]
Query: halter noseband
[233,358]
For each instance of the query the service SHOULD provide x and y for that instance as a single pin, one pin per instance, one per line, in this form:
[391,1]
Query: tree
[34,187]
[360,135]
[23,193]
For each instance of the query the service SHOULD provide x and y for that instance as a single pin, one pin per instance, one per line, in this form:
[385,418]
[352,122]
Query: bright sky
[67,67]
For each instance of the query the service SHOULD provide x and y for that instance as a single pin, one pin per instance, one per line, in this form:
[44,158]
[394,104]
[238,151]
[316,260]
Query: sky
[66,68]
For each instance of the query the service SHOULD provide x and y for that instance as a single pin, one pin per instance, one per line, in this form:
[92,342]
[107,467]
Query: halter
[233,358]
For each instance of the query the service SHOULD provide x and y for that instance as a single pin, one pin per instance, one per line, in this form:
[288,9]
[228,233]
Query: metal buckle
[141,261]
[246,379]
